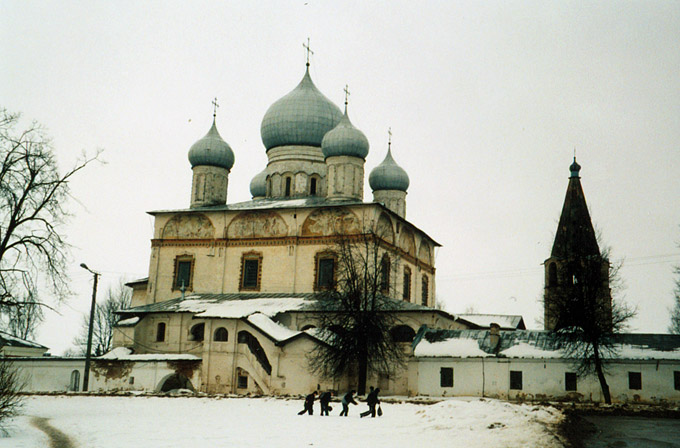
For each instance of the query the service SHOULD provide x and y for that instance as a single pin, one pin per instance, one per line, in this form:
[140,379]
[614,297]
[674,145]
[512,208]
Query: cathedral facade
[237,284]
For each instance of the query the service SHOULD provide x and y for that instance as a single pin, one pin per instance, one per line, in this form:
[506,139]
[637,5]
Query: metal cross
[346,89]
[389,139]
[215,106]
[309,50]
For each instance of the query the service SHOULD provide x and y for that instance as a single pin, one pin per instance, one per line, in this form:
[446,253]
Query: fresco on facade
[257,225]
[331,222]
[425,254]
[407,242]
[189,226]
[384,228]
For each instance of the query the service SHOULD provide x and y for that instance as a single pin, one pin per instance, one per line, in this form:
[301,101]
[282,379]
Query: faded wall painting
[331,221]
[189,226]
[407,242]
[384,229]
[425,253]
[257,225]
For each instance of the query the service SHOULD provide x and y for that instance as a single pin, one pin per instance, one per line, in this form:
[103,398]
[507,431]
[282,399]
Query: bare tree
[33,198]
[10,387]
[357,316]
[22,320]
[675,311]
[118,297]
[585,320]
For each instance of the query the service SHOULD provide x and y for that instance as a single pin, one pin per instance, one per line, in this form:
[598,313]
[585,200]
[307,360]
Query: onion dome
[574,168]
[258,186]
[211,150]
[345,140]
[388,175]
[302,117]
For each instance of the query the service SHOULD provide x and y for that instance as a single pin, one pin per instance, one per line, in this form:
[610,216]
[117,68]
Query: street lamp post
[86,376]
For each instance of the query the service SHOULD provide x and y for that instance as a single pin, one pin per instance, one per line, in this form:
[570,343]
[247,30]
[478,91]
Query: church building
[238,284]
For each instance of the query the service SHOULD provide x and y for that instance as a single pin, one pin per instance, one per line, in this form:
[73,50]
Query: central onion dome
[211,150]
[345,140]
[302,117]
[388,175]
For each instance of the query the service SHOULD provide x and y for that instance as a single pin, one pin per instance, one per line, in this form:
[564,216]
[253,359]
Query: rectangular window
[325,275]
[515,380]
[242,382]
[634,380]
[425,290]
[446,377]
[569,381]
[183,273]
[287,191]
[676,379]
[407,284]
[385,275]
[251,271]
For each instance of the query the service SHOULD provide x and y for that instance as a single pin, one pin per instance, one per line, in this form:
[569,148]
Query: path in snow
[57,438]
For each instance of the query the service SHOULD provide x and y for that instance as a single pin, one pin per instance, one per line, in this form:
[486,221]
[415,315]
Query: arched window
[407,284]
[74,385]
[402,333]
[287,189]
[196,333]
[221,335]
[425,287]
[312,186]
[552,274]
[160,332]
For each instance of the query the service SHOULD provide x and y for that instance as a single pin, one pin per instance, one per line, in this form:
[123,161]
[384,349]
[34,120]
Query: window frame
[226,333]
[446,377]
[287,186]
[160,336]
[516,379]
[185,258]
[385,267]
[635,379]
[425,290]
[191,332]
[406,281]
[250,256]
[318,258]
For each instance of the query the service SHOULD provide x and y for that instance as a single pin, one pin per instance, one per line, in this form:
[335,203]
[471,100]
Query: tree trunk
[600,374]
[363,368]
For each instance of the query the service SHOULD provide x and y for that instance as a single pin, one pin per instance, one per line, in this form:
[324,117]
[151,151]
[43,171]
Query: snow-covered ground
[103,422]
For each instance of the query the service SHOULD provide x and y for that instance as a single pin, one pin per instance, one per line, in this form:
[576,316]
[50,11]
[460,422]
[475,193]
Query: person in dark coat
[372,401]
[309,404]
[324,400]
[346,400]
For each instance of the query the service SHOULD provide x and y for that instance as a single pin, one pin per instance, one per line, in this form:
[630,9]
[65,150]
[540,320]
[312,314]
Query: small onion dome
[258,186]
[388,175]
[574,168]
[211,150]
[302,117]
[345,140]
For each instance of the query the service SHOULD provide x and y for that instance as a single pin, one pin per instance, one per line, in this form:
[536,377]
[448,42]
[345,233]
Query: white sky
[486,100]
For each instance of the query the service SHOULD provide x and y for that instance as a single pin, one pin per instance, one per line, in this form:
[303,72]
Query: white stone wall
[545,379]
[345,177]
[209,186]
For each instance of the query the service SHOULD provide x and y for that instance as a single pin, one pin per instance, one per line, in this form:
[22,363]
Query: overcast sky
[487,102]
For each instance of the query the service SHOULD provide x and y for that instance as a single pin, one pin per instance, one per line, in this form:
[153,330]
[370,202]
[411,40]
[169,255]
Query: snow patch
[460,348]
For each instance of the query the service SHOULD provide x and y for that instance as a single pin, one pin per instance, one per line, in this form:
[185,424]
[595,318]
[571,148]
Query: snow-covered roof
[534,344]
[125,354]
[240,305]
[505,321]
[7,339]
[129,322]
[277,331]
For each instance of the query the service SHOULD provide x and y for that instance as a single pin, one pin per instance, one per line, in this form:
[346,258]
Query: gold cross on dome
[215,106]
[309,50]
[346,90]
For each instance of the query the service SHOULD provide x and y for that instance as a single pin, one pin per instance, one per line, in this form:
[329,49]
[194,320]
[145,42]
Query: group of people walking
[372,401]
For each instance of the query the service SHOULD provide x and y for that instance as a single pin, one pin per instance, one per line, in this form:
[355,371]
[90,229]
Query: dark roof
[505,321]
[7,340]
[317,302]
[575,236]
[139,281]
